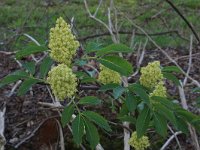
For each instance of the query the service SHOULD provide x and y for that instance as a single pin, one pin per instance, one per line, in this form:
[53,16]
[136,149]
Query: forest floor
[28,124]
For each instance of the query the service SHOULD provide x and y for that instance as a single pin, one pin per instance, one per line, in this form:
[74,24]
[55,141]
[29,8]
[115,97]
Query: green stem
[76,106]
[88,57]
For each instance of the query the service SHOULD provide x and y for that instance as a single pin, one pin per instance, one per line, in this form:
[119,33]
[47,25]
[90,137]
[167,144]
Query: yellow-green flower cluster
[139,143]
[160,90]
[107,76]
[63,81]
[62,42]
[151,75]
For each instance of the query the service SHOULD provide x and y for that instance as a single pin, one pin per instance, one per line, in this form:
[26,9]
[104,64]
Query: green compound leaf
[138,90]
[166,112]
[182,125]
[26,85]
[186,115]
[142,122]
[80,62]
[45,67]
[118,91]
[107,87]
[164,101]
[131,102]
[78,129]
[92,135]
[31,49]
[9,79]
[88,79]
[123,111]
[114,48]
[128,119]
[30,67]
[171,77]
[90,100]
[67,115]
[195,90]
[92,47]
[171,69]
[13,77]
[81,75]
[117,64]
[196,124]
[160,124]
[98,119]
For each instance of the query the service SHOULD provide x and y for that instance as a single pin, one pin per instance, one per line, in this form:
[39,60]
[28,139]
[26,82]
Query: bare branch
[190,61]
[179,145]
[62,143]
[185,106]
[32,39]
[165,53]
[14,88]
[126,32]
[100,21]
[170,139]
[186,21]
[2,128]
[140,58]
[95,13]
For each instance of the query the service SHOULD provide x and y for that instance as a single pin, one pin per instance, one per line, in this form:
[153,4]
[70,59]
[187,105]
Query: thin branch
[94,17]
[100,21]
[169,140]
[184,57]
[186,21]
[7,53]
[166,54]
[126,32]
[51,105]
[191,129]
[95,13]
[14,88]
[126,136]
[190,61]
[32,39]
[33,132]
[140,58]
[118,124]
[92,67]
[2,128]
[179,145]
[88,87]
[62,143]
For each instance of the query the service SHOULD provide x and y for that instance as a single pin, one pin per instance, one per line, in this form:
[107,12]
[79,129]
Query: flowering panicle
[63,81]
[160,90]
[62,42]
[107,76]
[151,75]
[139,143]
